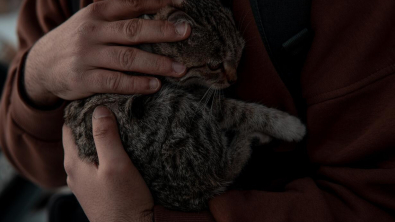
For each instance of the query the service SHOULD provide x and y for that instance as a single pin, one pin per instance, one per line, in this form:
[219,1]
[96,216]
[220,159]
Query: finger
[107,81]
[113,10]
[134,60]
[137,31]
[108,143]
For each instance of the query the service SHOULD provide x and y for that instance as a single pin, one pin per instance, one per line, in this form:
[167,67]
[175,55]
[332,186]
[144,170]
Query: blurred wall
[8,22]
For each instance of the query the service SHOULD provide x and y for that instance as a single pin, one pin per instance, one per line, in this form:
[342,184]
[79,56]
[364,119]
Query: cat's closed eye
[216,66]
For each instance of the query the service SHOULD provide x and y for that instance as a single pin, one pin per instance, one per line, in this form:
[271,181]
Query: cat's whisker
[216,101]
[205,95]
[219,102]
[209,97]
[205,98]
[212,102]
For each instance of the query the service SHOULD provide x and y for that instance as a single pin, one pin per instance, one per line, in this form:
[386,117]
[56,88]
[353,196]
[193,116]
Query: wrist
[33,92]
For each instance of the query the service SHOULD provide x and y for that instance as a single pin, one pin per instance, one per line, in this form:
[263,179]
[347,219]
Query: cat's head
[214,48]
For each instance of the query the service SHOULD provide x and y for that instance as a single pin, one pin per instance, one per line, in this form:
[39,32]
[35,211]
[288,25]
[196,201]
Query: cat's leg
[256,118]
[238,151]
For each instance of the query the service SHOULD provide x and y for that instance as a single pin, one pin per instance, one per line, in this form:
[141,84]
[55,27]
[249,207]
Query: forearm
[31,138]
[303,200]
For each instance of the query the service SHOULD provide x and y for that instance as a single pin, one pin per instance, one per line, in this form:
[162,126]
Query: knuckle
[95,8]
[132,84]
[113,82]
[136,5]
[74,78]
[111,170]
[160,64]
[101,130]
[86,28]
[127,58]
[69,83]
[75,65]
[122,168]
[133,29]
[69,182]
[68,167]
[164,29]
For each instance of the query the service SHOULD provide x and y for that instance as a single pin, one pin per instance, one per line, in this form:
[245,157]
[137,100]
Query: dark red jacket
[344,172]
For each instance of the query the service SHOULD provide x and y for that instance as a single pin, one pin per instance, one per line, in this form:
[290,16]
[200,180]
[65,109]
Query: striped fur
[178,138]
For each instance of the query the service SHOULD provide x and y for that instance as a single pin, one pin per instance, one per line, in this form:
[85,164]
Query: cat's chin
[216,86]
[220,86]
[200,83]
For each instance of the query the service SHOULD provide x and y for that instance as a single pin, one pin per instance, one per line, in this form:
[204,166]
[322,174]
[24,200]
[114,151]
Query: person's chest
[353,48]
[353,42]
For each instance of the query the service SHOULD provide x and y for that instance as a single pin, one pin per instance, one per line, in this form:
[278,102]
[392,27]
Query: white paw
[290,129]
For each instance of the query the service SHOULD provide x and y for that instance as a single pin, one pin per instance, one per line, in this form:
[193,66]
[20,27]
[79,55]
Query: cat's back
[171,137]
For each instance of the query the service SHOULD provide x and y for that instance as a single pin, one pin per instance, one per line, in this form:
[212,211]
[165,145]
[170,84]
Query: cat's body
[186,148]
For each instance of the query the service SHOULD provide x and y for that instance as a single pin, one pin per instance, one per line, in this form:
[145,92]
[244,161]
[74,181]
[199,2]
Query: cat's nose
[230,71]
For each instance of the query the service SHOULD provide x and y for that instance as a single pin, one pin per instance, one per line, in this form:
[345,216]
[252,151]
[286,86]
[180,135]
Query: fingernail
[154,84]
[101,112]
[181,28]
[179,68]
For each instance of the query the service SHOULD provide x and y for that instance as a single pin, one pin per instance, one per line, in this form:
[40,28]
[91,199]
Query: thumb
[107,140]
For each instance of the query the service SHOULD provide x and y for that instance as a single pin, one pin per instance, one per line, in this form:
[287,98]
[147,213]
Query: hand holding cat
[90,52]
[114,190]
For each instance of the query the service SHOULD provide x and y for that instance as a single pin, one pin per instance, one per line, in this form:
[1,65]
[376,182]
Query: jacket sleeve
[348,83]
[31,138]
[351,144]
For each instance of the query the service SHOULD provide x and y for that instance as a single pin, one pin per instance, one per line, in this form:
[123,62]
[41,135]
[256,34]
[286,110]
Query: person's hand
[114,190]
[90,52]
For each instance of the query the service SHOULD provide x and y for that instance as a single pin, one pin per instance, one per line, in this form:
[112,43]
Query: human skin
[91,51]
[89,54]
[113,190]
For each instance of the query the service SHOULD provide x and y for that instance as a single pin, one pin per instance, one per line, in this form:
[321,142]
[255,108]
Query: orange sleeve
[31,138]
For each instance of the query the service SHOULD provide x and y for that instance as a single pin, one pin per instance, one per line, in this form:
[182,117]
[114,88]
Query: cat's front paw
[290,129]
[258,138]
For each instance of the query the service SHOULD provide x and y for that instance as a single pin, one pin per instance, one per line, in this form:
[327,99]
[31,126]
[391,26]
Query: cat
[188,146]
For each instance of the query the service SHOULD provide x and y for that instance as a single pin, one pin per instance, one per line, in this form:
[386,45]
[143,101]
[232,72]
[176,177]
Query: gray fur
[177,137]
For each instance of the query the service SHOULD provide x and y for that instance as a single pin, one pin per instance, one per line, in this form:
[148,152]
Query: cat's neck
[192,88]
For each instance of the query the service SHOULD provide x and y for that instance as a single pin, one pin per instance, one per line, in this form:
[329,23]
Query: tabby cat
[178,138]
